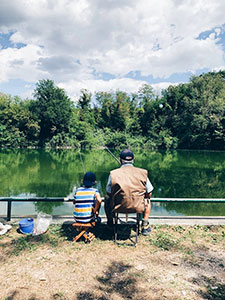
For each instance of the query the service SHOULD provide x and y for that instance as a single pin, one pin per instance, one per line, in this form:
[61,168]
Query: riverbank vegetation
[186,116]
[174,262]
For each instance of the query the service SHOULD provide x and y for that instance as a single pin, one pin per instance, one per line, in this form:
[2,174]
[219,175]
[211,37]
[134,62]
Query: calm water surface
[174,174]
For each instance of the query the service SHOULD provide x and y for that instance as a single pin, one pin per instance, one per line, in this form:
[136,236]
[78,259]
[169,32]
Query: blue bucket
[26,225]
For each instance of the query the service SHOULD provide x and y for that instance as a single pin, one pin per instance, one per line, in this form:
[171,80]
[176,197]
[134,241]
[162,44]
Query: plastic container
[26,225]
[42,223]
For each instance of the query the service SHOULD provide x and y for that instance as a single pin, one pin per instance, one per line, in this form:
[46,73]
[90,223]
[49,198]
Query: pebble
[42,279]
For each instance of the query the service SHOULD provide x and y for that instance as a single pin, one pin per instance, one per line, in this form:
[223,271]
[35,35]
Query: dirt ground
[174,262]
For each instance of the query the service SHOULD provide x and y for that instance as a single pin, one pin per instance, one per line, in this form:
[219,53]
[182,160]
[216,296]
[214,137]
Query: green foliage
[195,112]
[114,110]
[31,243]
[145,95]
[63,140]
[18,127]
[115,139]
[186,116]
[53,109]
[85,112]
[164,241]
[21,244]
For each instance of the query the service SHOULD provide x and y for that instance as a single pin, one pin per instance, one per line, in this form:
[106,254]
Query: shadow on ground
[214,290]
[15,294]
[119,280]
[101,231]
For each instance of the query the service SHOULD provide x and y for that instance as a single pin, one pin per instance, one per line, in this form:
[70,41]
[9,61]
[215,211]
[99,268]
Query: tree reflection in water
[174,174]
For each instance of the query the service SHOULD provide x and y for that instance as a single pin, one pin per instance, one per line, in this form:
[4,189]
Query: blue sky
[108,45]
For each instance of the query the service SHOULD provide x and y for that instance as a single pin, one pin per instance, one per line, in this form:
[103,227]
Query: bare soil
[173,262]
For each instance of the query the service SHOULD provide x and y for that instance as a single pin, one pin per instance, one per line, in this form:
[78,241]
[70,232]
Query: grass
[173,262]
[31,243]
[164,241]
[21,244]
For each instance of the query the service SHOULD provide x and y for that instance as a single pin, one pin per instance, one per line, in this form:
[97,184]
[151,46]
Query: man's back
[128,188]
[128,191]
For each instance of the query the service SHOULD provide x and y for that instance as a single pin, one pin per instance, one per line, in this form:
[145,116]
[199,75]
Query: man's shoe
[97,220]
[146,229]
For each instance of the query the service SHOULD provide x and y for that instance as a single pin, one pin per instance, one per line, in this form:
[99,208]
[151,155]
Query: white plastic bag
[42,223]
[4,228]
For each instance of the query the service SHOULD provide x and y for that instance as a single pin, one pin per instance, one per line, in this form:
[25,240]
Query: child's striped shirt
[85,200]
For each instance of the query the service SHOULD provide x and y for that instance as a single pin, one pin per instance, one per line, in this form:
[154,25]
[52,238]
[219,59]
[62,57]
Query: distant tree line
[186,116]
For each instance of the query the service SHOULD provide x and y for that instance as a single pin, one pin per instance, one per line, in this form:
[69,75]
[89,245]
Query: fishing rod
[105,147]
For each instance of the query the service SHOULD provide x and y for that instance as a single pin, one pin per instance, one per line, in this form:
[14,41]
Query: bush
[116,139]
[62,140]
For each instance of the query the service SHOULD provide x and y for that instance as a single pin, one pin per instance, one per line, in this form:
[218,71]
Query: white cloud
[220,68]
[186,56]
[73,87]
[129,85]
[158,87]
[69,41]
[20,63]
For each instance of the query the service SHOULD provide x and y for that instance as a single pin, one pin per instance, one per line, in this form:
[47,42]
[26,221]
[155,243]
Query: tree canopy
[53,109]
[186,116]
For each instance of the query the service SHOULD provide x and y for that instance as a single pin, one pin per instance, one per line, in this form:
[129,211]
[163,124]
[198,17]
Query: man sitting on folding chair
[128,191]
[87,202]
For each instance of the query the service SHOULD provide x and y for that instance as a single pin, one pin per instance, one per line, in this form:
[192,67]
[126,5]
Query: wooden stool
[84,228]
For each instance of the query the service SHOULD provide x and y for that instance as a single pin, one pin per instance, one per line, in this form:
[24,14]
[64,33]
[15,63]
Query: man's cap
[89,179]
[127,155]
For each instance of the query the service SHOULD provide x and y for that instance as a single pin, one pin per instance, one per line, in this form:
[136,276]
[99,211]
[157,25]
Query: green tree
[146,97]
[195,112]
[105,103]
[18,126]
[187,116]
[208,124]
[121,111]
[145,94]
[53,108]
[114,110]
[133,124]
[86,113]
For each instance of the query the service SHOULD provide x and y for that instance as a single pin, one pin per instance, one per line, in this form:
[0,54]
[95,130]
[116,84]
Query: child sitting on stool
[87,200]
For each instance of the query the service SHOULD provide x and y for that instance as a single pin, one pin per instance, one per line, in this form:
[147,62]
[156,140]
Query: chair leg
[79,236]
[137,229]
[137,226]
[89,237]
[115,227]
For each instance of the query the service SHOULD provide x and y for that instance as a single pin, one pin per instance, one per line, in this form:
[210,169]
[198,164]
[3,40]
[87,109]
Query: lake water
[54,173]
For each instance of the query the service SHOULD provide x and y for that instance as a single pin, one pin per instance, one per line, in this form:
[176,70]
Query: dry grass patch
[174,262]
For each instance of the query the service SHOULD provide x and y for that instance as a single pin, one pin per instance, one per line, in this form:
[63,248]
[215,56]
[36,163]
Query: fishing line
[105,147]
[82,162]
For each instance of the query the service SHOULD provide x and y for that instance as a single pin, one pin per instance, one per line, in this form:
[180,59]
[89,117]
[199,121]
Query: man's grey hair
[123,161]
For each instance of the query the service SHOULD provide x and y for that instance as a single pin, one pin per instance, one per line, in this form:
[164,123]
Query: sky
[104,45]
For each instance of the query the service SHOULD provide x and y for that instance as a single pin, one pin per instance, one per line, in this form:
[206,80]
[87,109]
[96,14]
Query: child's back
[85,201]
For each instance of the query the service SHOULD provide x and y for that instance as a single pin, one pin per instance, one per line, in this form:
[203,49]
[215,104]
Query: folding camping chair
[117,219]
[83,229]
